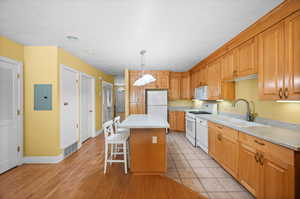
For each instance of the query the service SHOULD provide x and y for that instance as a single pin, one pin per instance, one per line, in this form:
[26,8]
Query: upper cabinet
[162,80]
[292,52]
[229,65]
[271,62]
[214,80]
[218,89]
[279,63]
[247,58]
[179,85]
[175,86]
[185,86]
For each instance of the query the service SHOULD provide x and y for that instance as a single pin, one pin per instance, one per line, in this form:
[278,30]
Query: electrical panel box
[42,97]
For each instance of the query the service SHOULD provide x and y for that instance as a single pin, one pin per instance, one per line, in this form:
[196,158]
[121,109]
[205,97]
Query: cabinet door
[292,74]
[180,120]
[214,80]
[172,120]
[249,169]
[211,141]
[230,154]
[247,58]
[137,94]
[162,81]
[228,69]
[271,62]
[185,86]
[175,86]
[276,182]
[137,108]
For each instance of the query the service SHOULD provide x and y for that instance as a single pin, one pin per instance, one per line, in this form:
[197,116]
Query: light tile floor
[198,171]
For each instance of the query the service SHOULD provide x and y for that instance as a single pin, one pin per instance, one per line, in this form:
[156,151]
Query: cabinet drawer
[272,151]
[226,131]
[253,142]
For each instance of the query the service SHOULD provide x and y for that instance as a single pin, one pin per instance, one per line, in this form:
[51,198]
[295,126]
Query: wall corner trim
[42,159]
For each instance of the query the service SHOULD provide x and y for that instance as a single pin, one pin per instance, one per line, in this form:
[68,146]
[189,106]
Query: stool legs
[125,156]
[105,157]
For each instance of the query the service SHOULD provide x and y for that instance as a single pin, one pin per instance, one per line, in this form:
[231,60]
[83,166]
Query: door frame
[93,133]
[20,105]
[61,103]
[105,83]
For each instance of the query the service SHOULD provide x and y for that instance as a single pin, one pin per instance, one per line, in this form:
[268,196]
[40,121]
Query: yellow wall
[41,127]
[248,89]
[11,49]
[71,61]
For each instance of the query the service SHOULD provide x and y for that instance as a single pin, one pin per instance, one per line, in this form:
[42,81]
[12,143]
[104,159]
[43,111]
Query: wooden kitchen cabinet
[175,86]
[249,168]
[271,61]
[218,89]
[214,80]
[137,108]
[265,169]
[247,58]
[177,120]
[229,66]
[292,52]
[185,86]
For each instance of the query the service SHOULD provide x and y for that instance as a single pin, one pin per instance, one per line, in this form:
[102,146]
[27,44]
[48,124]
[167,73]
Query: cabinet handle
[261,159]
[280,93]
[219,137]
[256,157]
[260,143]
[286,93]
[219,127]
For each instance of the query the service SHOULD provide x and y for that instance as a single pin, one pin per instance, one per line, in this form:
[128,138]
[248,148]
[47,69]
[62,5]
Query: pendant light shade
[145,78]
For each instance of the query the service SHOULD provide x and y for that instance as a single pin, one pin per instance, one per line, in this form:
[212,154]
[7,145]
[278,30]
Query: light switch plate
[154,139]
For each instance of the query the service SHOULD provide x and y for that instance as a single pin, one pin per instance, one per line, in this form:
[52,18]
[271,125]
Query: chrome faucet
[250,116]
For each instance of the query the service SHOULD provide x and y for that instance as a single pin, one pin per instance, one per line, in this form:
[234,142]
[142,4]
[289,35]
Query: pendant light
[145,78]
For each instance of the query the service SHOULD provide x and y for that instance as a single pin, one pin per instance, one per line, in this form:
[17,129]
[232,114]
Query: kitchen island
[148,152]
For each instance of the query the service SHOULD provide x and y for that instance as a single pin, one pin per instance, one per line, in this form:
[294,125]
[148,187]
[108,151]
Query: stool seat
[117,138]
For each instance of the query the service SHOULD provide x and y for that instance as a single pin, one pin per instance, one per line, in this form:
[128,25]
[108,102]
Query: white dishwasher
[202,134]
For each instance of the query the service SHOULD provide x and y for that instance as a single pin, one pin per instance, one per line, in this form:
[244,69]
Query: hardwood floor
[81,176]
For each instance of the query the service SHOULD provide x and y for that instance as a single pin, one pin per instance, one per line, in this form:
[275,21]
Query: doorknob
[66,103]
[90,111]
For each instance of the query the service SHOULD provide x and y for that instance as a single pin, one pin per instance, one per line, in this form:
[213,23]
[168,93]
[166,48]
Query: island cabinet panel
[148,157]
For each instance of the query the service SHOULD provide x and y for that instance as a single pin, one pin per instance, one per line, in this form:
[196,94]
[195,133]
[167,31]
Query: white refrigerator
[157,103]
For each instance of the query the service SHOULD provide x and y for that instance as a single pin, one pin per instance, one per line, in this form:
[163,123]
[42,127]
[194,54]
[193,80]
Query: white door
[86,107]
[69,106]
[10,115]
[107,103]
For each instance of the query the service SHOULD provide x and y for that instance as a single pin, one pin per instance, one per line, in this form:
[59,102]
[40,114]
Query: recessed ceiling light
[72,37]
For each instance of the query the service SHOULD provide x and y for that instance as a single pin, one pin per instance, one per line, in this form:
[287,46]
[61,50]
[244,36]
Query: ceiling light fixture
[145,78]
[72,37]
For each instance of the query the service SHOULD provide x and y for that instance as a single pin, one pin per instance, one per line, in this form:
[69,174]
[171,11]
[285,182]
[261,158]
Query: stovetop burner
[199,112]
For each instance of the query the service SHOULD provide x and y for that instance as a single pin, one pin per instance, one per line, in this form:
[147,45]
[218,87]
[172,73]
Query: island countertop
[143,121]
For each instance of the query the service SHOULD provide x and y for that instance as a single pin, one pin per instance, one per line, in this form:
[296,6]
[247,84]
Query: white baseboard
[42,159]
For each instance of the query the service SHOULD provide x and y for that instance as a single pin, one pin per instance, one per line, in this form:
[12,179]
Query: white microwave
[201,93]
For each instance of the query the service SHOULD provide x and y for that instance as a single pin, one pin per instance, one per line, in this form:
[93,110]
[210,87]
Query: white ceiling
[176,33]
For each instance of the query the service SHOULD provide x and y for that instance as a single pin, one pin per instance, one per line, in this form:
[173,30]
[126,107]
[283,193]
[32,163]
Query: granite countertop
[182,108]
[281,136]
[143,121]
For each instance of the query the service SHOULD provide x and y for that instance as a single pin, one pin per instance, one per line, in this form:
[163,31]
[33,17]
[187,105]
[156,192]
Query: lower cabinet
[249,168]
[265,169]
[177,120]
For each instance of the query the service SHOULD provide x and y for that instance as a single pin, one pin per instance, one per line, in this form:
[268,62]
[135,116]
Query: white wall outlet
[154,139]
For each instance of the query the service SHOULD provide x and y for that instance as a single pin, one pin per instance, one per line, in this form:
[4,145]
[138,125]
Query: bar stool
[113,139]
[117,128]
